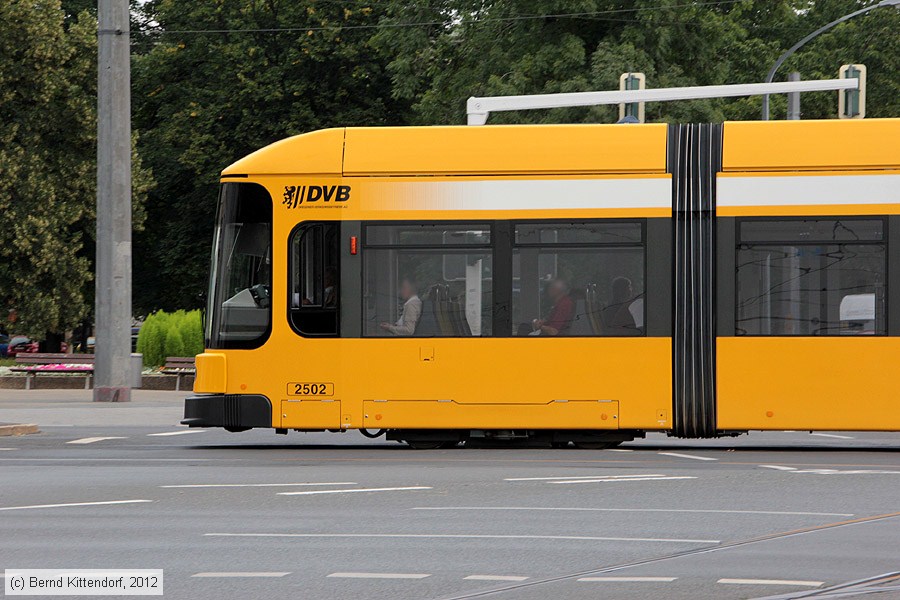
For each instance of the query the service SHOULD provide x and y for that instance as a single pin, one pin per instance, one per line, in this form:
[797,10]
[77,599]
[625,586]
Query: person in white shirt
[410,314]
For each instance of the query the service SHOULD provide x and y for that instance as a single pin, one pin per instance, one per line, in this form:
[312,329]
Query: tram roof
[571,149]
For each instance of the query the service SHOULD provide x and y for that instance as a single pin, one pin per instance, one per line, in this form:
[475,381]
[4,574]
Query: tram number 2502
[310,389]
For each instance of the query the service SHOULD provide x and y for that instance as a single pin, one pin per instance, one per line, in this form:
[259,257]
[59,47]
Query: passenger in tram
[330,278]
[559,319]
[330,291]
[409,314]
[617,318]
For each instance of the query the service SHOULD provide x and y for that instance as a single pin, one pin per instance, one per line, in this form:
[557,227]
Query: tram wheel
[559,444]
[596,445]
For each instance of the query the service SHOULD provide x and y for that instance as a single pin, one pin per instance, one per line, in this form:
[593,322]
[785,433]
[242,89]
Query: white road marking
[831,471]
[242,485]
[356,490]
[831,435]
[652,510]
[629,579]
[581,477]
[182,432]
[495,578]
[7,448]
[462,536]
[92,459]
[624,480]
[677,455]
[851,472]
[68,504]
[381,575]
[771,582]
[243,574]
[620,449]
[91,440]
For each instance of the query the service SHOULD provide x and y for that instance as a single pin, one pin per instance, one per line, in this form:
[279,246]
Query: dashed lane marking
[182,432]
[572,477]
[91,440]
[495,578]
[849,472]
[94,459]
[243,574]
[69,504]
[356,490]
[623,480]
[243,485]
[831,471]
[639,510]
[796,582]
[463,536]
[691,456]
[381,575]
[832,435]
[628,579]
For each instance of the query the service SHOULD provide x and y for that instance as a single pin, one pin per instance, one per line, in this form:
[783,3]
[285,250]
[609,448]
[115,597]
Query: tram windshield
[239,311]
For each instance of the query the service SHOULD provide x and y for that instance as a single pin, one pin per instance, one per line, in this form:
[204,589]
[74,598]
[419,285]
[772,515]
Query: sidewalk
[61,408]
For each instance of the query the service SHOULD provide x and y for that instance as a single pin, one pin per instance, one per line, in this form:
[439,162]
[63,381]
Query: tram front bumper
[228,410]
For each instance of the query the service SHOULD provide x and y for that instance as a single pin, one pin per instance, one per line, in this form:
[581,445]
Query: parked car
[20,344]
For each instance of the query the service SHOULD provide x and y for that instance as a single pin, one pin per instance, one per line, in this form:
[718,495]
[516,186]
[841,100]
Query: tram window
[809,288]
[432,280]
[812,230]
[578,279]
[314,295]
[429,234]
[240,286]
[596,232]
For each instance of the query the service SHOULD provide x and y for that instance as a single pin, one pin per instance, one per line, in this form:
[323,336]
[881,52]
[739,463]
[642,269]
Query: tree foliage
[484,48]
[170,334]
[217,79]
[205,100]
[48,164]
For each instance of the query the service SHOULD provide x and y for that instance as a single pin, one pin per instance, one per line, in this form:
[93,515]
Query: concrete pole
[113,277]
[793,111]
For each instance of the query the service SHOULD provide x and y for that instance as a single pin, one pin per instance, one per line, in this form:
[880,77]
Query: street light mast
[771,76]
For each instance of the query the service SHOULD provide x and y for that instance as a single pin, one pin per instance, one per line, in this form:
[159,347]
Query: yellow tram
[567,283]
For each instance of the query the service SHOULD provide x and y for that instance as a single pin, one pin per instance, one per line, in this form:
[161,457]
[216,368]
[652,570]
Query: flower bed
[61,368]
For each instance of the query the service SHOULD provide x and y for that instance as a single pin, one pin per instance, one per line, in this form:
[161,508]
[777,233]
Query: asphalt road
[255,515]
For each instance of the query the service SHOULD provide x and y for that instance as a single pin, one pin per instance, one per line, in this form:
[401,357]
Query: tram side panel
[808,279]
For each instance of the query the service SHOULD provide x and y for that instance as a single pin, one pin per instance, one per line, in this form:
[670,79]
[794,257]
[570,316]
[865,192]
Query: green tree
[871,39]
[495,47]
[151,341]
[205,100]
[47,164]
[193,333]
[174,342]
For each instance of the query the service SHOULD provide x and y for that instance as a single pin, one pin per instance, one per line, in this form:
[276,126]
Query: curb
[7,429]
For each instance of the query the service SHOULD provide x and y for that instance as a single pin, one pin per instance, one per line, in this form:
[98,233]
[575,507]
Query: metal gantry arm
[479,109]
[771,75]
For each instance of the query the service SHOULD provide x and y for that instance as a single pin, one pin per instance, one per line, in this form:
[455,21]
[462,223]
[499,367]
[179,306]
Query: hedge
[170,334]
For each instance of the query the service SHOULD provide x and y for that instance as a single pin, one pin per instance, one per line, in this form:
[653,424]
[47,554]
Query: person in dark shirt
[617,318]
[559,319]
